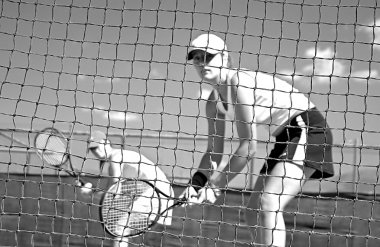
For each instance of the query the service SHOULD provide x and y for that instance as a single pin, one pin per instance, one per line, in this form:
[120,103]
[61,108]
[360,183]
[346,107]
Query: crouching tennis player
[130,164]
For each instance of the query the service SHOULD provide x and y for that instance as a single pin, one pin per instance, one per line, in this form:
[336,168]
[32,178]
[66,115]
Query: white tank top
[274,102]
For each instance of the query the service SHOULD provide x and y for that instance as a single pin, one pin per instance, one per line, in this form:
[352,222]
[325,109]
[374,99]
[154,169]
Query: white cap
[209,43]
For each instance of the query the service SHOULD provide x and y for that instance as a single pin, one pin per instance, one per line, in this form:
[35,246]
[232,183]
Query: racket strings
[132,211]
[52,148]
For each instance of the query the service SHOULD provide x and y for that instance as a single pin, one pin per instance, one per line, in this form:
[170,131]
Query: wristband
[198,181]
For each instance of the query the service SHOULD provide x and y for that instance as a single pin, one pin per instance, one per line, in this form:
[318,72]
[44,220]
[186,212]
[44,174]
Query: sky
[120,66]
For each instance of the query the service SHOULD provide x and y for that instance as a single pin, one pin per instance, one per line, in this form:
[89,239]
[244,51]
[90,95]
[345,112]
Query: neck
[221,79]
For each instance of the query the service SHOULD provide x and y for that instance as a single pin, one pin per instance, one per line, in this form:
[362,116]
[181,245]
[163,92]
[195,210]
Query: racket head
[131,211]
[52,147]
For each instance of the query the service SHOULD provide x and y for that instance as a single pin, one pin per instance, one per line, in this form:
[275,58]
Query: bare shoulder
[243,78]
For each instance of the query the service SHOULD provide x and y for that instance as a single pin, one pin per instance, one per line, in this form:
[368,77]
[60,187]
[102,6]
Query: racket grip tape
[198,181]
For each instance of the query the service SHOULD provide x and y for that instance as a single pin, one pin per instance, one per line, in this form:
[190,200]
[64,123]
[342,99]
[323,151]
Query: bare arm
[194,193]
[246,128]
[215,144]
[115,169]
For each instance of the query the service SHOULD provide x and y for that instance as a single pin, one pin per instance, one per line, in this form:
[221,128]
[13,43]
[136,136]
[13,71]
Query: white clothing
[274,102]
[136,165]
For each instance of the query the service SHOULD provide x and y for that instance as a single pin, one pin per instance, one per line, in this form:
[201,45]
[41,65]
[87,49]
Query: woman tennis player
[302,149]
[126,163]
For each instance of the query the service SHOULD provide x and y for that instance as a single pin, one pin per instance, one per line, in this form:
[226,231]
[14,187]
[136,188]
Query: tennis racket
[132,206]
[54,149]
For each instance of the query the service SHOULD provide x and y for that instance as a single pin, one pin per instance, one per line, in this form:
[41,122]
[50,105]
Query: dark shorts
[305,141]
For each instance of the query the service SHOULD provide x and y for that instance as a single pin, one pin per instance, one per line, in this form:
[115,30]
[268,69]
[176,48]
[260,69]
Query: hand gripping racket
[132,206]
[54,149]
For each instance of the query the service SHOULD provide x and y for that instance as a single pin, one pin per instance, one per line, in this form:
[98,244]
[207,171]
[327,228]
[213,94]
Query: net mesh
[120,67]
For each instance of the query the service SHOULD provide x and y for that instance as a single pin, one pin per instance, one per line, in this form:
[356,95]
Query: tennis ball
[86,189]
[88,185]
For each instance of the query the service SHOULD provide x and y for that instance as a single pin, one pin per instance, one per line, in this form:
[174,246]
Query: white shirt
[274,102]
[136,165]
